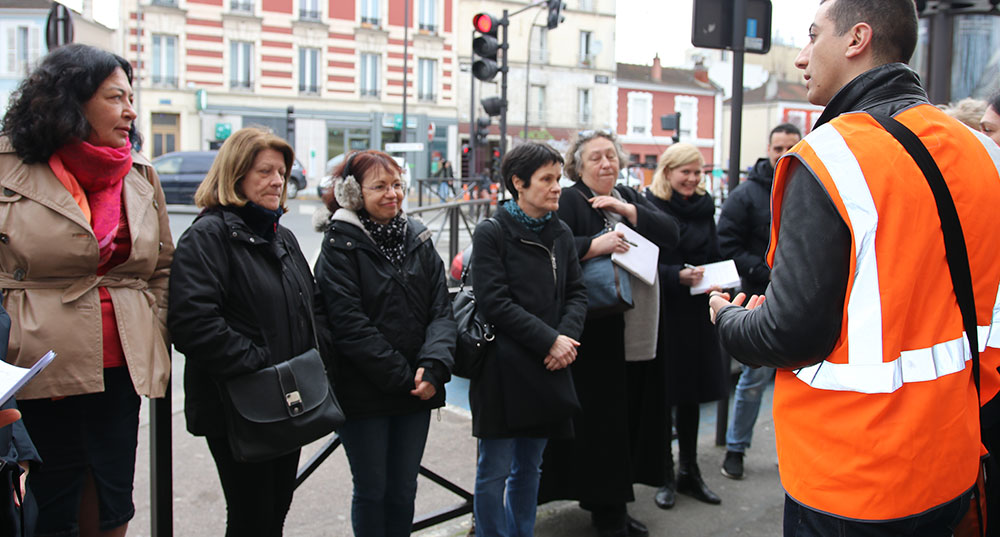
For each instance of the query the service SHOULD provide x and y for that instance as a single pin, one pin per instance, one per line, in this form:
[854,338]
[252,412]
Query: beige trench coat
[48,274]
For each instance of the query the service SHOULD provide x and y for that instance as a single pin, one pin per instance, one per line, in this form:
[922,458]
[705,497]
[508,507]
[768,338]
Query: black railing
[241,84]
[369,92]
[432,28]
[164,3]
[309,14]
[426,97]
[242,6]
[311,90]
[169,81]
[374,21]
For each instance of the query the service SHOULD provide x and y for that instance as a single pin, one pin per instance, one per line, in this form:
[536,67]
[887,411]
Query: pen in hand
[692,267]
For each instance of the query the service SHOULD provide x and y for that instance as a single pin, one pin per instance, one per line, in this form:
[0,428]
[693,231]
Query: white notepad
[642,257]
[12,378]
[722,273]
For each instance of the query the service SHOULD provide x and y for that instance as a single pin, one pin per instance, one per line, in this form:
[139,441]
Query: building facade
[332,70]
[645,93]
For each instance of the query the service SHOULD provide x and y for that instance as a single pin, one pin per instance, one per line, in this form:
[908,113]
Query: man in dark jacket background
[744,232]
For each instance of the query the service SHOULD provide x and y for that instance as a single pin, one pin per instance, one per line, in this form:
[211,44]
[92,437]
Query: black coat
[238,303]
[745,227]
[530,305]
[386,322]
[695,372]
[621,435]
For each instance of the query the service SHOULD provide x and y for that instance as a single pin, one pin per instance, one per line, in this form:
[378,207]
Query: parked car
[182,171]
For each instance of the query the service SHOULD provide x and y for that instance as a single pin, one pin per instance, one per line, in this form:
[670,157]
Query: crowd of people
[574,400]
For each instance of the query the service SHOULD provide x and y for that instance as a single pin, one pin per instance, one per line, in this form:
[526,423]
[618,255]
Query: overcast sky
[649,27]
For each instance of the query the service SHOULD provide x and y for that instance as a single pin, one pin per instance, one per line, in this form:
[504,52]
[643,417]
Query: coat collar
[893,83]
[552,229]
[416,232]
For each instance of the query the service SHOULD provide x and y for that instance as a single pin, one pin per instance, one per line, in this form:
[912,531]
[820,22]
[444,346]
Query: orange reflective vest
[887,426]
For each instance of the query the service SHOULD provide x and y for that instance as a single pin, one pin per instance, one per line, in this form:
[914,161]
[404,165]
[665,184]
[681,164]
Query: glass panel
[157,144]
[170,144]
[975,56]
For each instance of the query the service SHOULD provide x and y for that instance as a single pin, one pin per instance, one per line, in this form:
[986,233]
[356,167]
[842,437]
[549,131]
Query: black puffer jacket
[532,290]
[238,303]
[745,227]
[386,322]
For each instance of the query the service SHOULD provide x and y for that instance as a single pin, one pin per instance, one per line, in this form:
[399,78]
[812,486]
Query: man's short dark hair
[523,161]
[786,128]
[994,102]
[893,22]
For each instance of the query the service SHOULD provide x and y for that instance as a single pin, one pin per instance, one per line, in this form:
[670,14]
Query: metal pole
[504,23]
[137,72]
[472,118]
[406,59]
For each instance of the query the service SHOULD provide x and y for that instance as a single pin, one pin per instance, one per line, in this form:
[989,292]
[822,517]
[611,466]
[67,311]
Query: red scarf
[99,170]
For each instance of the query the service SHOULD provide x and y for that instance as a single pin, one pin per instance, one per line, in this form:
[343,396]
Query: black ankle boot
[689,482]
[666,495]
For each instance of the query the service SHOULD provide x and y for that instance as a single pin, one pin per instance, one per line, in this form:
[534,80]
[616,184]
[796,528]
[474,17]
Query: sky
[648,27]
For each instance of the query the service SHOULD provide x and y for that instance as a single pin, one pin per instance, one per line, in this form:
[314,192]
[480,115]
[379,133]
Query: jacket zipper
[552,259]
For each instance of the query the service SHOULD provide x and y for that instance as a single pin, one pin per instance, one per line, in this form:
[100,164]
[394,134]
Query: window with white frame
[427,15]
[426,73]
[24,48]
[308,70]
[370,12]
[583,106]
[538,104]
[539,44]
[309,10]
[241,65]
[688,107]
[640,113]
[369,75]
[165,60]
[586,46]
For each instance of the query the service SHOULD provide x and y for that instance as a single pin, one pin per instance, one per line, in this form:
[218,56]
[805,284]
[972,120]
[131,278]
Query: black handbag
[279,409]
[475,335]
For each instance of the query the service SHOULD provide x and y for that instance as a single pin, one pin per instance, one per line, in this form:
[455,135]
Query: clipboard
[642,257]
[13,378]
[721,273]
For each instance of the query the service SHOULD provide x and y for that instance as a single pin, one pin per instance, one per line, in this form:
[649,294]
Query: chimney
[700,71]
[656,73]
[87,10]
[771,88]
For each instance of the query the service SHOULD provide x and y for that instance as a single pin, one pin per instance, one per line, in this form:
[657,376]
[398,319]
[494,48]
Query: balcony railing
[165,81]
[430,97]
[310,90]
[242,6]
[164,3]
[585,118]
[429,28]
[309,14]
[365,92]
[241,84]
[372,21]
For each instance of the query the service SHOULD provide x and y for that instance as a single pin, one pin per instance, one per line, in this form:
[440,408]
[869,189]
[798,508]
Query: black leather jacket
[745,227]
[800,321]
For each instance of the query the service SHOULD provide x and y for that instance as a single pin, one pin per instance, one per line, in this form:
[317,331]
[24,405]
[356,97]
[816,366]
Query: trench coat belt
[77,287]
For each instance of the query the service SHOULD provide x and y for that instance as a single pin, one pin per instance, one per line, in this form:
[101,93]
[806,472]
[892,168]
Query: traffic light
[485,46]
[672,122]
[290,124]
[555,13]
[492,105]
[482,129]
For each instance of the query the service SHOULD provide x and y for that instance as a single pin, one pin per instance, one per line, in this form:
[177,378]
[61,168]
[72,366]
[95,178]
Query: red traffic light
[496,153]
[485,23]
[465,149]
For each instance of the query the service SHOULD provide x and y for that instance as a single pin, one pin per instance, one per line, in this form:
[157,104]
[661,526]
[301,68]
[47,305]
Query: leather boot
[666,496]
[689,482]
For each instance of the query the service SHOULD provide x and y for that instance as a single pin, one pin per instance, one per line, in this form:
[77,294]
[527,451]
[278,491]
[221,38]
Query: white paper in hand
[642,257]
[12,378]
[722,274]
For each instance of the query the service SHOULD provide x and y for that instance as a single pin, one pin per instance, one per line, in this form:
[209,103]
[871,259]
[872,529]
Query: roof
[25,4]
[775,90]
[669,76]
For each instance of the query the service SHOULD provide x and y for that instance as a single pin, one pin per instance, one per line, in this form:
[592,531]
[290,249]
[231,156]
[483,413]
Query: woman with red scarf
[85,252]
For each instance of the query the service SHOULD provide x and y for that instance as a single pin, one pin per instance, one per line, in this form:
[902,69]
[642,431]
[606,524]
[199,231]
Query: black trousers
[258,494]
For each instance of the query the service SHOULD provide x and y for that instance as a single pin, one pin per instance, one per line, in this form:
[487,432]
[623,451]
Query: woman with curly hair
[85,252]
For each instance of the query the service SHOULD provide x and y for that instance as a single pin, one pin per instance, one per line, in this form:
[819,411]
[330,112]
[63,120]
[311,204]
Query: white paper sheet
[722,274]
[12,378]
[642,257]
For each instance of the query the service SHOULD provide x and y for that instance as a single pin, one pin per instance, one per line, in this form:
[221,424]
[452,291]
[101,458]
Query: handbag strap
[951,227]
[607,221]
[468,266]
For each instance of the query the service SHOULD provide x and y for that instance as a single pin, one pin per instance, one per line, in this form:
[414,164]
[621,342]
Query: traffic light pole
[504,46]
[472,120]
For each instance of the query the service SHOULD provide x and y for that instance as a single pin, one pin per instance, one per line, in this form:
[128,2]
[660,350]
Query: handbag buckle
[294,402]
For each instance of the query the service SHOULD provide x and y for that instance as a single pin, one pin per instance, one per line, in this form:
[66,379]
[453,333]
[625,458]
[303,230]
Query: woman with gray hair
[620,435]
[383,285]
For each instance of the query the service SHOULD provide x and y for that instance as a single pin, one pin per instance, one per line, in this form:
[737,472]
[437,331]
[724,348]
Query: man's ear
[861,40]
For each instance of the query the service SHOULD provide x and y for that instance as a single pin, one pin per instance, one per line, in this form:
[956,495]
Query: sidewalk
[751,507]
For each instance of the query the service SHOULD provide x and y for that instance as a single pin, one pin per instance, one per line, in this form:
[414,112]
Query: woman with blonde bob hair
[243,296]
[686,336]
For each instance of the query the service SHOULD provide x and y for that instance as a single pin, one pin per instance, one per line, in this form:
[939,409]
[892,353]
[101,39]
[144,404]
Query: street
[751,507]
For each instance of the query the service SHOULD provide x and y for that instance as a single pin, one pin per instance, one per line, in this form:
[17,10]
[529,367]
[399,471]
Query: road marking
[308,208]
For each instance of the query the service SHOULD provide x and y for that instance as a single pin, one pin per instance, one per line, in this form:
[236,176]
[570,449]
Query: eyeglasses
[380,189]
[590,133]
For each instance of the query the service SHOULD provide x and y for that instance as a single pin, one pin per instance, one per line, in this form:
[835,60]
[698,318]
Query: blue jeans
[746,406]
[384,454]
[516,463]
[801,521]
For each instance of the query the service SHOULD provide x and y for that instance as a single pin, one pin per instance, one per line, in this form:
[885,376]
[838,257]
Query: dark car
[182,171]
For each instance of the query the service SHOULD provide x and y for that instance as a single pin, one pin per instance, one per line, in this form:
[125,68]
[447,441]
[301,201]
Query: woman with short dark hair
[383,285]
[990,122]
[85,252]
[529,286]
[241,300]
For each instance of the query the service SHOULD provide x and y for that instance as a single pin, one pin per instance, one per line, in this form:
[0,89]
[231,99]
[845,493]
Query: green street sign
[223,130]
[201,99]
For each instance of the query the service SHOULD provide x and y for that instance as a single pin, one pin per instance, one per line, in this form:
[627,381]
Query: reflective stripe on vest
[864,308]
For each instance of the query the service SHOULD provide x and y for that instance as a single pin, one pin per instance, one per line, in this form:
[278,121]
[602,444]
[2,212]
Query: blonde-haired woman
[687,338]
[242,296]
